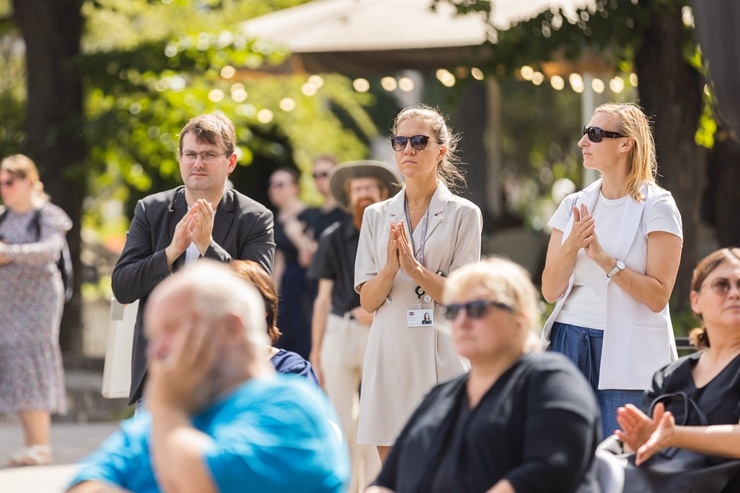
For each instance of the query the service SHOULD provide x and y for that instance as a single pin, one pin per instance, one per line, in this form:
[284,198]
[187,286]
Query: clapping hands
[644,435]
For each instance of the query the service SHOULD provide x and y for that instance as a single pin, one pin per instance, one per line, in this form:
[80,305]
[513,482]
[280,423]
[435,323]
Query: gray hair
[218,293]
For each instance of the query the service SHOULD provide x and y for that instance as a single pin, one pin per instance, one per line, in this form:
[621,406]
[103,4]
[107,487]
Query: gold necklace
[422,206]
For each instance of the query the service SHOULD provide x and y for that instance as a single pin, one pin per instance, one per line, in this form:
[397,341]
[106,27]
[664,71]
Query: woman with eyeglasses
[694,403]
[612,261]
[408,245]
[519,421]
[32,234]
[294,247]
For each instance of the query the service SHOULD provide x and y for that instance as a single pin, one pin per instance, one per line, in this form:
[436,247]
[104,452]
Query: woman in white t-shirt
[612,262]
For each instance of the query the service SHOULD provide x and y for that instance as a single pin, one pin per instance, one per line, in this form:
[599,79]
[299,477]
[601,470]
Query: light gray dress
[31,303]
[403,363]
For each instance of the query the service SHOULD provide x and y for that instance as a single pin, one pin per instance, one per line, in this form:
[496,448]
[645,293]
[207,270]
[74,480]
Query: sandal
[35,455]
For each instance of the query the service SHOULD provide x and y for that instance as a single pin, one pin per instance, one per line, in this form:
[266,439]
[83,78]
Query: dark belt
[340,313]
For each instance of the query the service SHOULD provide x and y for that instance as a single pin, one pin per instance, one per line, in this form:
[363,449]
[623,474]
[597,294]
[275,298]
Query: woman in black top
[704,383]
[520,421]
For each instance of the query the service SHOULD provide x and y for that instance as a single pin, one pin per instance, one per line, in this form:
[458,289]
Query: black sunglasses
[595,134]
[721,286]
[475,309]
[418,142]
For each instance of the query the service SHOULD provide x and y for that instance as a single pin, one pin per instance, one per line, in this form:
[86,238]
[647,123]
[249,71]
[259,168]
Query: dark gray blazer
[242,229]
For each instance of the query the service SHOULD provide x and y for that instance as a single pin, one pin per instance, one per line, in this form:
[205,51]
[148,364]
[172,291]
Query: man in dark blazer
[202,218]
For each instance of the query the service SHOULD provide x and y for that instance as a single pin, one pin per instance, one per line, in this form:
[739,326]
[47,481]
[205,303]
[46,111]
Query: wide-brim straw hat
[344,172]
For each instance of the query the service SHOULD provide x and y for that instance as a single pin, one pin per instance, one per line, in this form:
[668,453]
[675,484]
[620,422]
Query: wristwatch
[616,270]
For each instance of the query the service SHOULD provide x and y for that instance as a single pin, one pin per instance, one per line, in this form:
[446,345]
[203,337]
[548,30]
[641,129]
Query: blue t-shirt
[272,435]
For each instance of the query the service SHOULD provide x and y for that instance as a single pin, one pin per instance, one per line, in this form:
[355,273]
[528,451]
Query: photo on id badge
[420,317]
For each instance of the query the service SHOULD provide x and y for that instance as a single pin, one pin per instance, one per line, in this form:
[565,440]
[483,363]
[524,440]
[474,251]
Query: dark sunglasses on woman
[418,142]
[475,309]
[596,134]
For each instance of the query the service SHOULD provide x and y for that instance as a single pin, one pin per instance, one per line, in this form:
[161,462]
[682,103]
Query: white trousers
[342,356]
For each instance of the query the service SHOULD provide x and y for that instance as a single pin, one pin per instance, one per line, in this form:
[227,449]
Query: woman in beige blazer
[408,244]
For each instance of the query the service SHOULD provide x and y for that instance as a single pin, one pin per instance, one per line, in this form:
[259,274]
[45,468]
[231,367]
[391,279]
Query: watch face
[620,265]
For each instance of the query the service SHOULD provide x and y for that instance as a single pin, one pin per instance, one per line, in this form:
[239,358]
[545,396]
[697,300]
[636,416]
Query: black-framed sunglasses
[596,134]
[418,142]
[721,285]
[474,309]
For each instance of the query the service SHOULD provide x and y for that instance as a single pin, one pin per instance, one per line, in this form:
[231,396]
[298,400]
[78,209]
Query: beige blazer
[402,363]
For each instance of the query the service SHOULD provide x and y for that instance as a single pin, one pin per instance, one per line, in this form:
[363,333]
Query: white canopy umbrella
[356,36]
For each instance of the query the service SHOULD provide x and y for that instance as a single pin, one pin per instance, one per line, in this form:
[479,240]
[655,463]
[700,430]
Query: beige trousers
[342,355]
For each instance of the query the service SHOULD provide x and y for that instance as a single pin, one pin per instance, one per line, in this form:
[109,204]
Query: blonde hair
[503,281]
[448,169]
[642,164]
[23,167]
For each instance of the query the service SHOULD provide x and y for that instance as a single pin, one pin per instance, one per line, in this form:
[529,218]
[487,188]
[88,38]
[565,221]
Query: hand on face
[177,376]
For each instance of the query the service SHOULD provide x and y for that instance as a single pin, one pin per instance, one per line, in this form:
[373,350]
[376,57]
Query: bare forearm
[718,440]
[502,486]
[557,272]
[178,450]
[374,292]
[95,487]
[321,308]
[645,289]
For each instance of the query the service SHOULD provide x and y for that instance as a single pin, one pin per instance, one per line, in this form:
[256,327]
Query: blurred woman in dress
[293,253]
[32,235]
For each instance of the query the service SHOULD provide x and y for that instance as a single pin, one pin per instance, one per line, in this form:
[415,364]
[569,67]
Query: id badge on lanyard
[420,316]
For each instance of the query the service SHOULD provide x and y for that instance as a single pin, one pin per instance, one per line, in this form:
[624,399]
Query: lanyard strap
[424,223]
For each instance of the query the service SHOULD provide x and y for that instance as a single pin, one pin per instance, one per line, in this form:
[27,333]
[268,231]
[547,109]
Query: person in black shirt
[340,326]
[320,218]
[520,421]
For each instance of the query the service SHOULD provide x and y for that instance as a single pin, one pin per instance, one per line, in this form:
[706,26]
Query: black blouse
[537,426]
[719,400]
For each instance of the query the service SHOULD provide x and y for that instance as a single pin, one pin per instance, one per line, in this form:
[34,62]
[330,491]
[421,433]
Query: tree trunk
[671,93]
[52,30]
[722,201]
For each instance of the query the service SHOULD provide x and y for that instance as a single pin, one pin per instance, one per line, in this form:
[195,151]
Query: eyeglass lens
[418,142]
[722,285]
[597,134]
[206,156]
[475,309]
[317,176]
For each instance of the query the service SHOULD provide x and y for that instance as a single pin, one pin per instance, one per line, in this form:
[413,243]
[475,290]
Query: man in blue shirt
[218,418]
